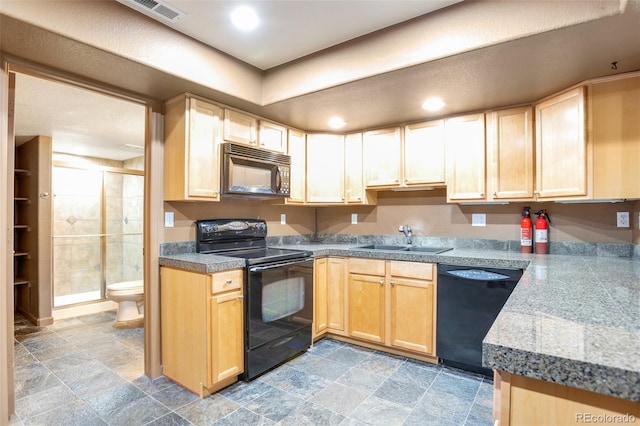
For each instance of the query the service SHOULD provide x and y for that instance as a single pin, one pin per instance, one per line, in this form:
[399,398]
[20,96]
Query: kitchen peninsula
[567,338]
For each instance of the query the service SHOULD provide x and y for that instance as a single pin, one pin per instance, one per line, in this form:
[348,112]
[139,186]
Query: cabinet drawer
[423,271]
[227,280]
[366,266]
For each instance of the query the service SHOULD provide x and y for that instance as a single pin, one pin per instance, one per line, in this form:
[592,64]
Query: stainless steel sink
[431,250]
[382,247]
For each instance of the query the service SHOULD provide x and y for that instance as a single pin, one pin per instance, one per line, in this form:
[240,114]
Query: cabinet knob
[392,283]
[228,283]
[495,194]
[396,181]
[44,195]
[241,297]
[406,181]
[381,282]
[482,194]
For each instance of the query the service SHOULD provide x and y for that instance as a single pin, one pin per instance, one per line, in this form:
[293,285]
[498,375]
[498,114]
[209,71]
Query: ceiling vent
[155,8]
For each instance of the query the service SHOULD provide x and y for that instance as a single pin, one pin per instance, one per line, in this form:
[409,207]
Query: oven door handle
[278,265]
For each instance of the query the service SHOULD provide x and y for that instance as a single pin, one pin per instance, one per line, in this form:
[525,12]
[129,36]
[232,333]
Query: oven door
[279,313]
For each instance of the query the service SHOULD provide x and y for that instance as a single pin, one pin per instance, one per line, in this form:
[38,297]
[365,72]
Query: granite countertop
[572,320]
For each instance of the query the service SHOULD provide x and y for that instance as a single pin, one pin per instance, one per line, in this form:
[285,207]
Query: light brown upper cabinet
[614,130]
[240,128]
[354,184]
[193,132]
[325,168]
[424,157]
[465,142]
[272,136]
[334,170]
[298,171]
[510,161]
[381,157]
[562,154]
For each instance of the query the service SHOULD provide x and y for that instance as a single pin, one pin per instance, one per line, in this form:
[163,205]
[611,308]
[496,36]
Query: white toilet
[129,295]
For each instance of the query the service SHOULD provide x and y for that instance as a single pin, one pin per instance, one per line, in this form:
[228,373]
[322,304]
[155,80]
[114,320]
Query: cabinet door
[561,149]
[320,303]
[354,192]
[335,294]
[183,319]
[227,336]
[273,136]
[298,171]
[240,128]
[411,300]
[366,295]
[381,157]
[465,139]
[614,108]
[412,314]
[424,160]
[205,130]
[325,168]
[510,154]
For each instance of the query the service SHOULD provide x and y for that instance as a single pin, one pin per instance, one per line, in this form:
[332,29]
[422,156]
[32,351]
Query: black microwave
[254,173]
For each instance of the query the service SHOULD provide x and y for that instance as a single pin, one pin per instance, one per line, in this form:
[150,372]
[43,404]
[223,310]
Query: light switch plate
[168,219]
[354,218]
[478,219]
[623,219]
[283,219]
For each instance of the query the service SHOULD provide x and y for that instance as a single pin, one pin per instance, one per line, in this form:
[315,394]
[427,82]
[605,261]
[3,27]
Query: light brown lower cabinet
[523,401]
[392,303]
[329,301]
[202,328]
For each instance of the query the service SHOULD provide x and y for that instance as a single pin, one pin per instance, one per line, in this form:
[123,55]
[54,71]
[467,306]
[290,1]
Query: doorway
[97,144]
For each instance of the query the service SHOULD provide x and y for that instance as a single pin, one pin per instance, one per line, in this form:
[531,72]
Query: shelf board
[20,281]
[20,253]
[21,227]
[20,199]
[23,172]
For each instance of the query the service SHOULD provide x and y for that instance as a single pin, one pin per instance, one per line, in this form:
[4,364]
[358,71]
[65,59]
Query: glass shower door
[77,236]
[124,196]
[98,232]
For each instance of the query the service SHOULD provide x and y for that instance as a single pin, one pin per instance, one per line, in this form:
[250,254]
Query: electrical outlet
[168,219]
[478,219]
[354,218]
[283,219]
[623,219]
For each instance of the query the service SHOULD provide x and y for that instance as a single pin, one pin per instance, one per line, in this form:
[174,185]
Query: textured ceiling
[516,71]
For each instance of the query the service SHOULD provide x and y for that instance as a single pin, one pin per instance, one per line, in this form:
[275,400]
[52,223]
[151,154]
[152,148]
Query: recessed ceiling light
[336,122]
[245,18]
[433,104]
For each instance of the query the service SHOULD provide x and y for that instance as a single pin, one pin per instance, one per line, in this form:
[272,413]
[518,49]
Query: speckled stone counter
[572,320]
[204,263]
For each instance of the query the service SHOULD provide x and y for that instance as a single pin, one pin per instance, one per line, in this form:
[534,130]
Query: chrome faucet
[406,230]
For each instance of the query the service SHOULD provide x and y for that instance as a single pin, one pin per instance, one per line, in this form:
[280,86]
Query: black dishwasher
[469,300]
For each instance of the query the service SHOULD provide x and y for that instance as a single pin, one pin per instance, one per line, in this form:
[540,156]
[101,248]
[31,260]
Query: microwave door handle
[278,180]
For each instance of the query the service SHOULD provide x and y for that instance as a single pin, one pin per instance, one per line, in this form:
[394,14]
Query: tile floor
[82,371]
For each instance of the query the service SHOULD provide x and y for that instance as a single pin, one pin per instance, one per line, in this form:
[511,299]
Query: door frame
[153,209]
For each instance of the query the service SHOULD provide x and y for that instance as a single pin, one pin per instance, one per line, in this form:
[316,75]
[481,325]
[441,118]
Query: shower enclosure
[97,230]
